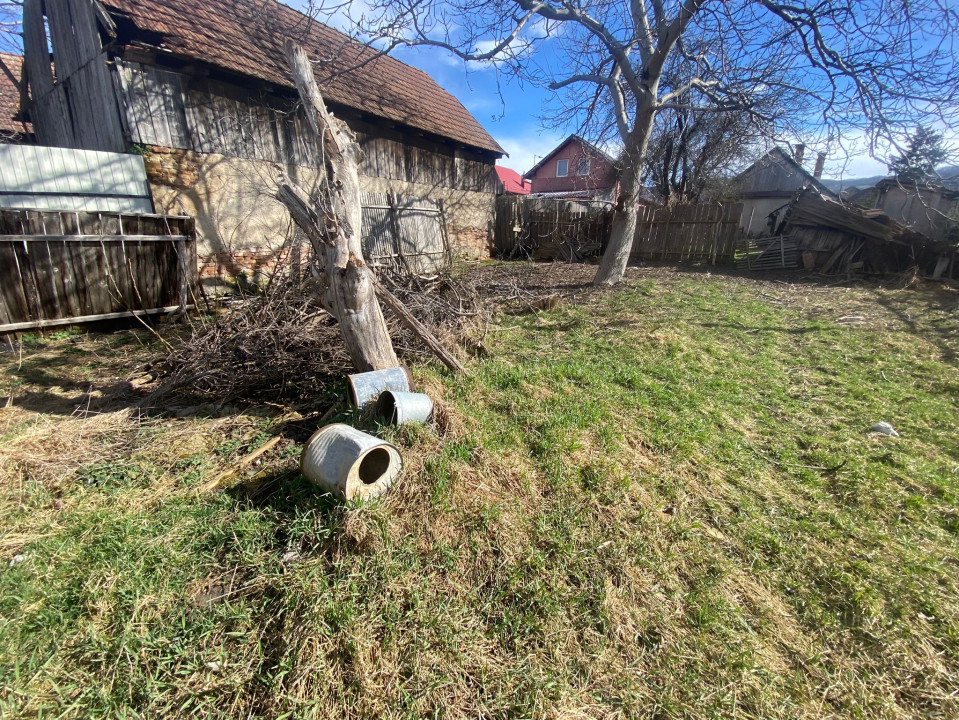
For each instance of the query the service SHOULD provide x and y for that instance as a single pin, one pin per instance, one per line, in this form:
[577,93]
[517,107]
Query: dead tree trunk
[334,228]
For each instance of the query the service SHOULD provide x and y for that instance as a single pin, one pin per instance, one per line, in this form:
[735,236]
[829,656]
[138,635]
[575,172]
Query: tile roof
[246,37]
[10,98]
[512,181]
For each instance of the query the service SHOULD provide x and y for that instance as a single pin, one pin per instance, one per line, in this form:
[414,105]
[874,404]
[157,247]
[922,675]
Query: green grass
[658,502]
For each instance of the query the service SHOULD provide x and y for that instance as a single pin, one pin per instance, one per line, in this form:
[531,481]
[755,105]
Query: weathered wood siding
[58,267]
[547,228]
[687,232]
[405,234]
[37,177]
[76,108]
[171,109]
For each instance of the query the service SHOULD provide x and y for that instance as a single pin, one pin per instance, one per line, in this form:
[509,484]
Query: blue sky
[515,119]
[513,111]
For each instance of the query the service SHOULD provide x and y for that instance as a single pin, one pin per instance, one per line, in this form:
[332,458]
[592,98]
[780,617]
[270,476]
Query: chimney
[820,163]
[798,151]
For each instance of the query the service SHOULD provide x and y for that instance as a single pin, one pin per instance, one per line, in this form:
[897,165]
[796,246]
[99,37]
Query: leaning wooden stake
[334,228]
[418,328]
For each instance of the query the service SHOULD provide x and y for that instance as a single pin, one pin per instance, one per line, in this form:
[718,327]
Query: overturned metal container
[399,408]
[366,387]
[350,464]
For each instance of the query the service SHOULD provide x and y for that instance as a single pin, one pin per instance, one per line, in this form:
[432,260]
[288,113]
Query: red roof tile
[246,36]
[512,181]
[10,97]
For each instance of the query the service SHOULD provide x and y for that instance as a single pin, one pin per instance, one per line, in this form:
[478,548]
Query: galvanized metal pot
[398,408]
[349,463]
[366,387]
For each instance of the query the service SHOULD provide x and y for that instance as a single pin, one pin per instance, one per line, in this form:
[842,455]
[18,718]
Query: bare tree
[693,151]
[867,68]
[11,12]
[11,25]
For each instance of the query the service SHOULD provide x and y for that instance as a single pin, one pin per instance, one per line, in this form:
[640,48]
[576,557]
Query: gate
[405,234]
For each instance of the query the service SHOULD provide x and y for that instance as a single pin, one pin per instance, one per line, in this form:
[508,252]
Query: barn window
[582,166]
[562,168]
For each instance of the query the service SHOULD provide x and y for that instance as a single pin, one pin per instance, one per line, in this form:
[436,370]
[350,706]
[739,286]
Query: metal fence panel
[49,178]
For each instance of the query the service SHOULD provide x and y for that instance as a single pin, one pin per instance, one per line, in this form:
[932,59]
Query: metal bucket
[350,464]
[366,387]
[398,408]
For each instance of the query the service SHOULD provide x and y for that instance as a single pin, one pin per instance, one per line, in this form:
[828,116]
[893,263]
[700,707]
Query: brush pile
[281,345]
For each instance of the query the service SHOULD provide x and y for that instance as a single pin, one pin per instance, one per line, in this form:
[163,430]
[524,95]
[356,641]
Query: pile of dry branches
[281,345]
[277,344]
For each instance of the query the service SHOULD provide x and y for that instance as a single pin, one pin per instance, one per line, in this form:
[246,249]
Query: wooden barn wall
[76,108]
[169,109]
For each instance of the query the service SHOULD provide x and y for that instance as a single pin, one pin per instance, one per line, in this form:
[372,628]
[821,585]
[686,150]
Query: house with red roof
[202,90]
[512,182]
[575,169]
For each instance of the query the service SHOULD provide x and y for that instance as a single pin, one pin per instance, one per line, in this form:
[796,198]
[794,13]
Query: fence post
[445,233]
[719,224]
[395,227]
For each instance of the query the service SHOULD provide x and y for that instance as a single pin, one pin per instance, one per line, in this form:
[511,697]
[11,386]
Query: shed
[771,183]
[200,88]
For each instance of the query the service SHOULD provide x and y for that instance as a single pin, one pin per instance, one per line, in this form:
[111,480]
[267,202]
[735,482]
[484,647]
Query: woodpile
[841,239]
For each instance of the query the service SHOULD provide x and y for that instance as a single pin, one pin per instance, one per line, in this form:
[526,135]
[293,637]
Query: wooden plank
[48,112]
[63,269]
[12,288]
[36,324]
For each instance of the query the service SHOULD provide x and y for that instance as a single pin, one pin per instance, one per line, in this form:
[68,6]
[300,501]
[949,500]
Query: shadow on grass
[939,334]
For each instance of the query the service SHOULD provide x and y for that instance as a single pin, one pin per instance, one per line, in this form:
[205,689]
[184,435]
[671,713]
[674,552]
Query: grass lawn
[661,501]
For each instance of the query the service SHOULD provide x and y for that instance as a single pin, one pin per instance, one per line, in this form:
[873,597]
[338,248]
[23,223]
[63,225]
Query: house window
[582,166]
[562,168]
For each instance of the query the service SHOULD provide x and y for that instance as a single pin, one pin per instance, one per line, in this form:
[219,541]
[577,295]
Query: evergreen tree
[917,165]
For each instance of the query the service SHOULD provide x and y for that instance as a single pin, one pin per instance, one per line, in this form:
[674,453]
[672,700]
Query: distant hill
[948,173]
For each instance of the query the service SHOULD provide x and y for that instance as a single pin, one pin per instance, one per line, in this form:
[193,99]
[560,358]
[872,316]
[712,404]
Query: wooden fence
[546,228]
[688,232]
[778,252]
[549,228]
[65,267]
[405,234]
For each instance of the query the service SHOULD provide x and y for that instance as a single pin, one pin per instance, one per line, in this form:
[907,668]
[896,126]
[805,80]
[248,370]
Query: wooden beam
[36,324]
[417,328]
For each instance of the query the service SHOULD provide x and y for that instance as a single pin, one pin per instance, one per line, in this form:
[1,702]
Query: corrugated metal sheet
[48,178]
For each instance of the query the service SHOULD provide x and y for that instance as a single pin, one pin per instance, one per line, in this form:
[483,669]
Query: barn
[201,90]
